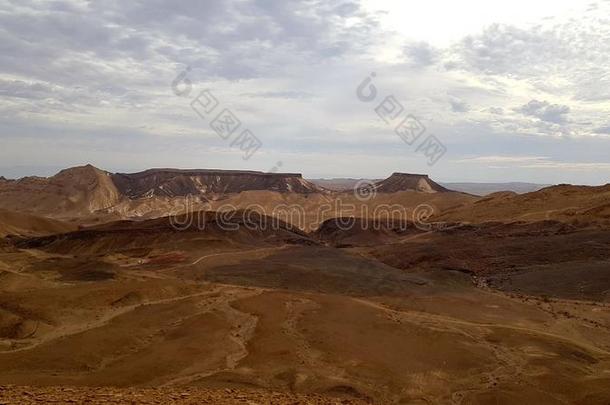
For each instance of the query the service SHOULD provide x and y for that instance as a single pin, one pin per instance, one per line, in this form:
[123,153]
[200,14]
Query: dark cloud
[458,106]
[554,113]
[232,39]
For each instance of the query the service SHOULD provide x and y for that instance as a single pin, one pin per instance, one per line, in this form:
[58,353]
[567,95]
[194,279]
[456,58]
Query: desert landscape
[305,202]
[479,300]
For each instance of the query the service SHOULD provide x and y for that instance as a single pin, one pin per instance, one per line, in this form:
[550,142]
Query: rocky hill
[566,203]
[81,191]
[175,182]
[74,191]
[91,196]
[409,182]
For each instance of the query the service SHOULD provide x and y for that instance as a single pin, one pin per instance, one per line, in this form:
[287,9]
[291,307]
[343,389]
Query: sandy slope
[15,223]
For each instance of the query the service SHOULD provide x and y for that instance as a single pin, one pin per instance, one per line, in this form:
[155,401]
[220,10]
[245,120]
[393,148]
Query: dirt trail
[310,357]
[232,253]
[510,366]
[70,330]
[242,330]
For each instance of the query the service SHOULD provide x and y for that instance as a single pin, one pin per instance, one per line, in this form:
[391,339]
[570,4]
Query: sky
[503,91]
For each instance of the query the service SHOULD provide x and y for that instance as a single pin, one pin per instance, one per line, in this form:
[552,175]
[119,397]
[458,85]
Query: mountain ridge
[182,182]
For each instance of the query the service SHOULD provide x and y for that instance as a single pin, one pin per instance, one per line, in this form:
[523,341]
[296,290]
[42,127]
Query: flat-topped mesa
[219,172]
[409,182]
[183,182]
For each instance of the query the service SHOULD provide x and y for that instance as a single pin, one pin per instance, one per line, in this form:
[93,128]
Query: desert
[112,301]
[305,202]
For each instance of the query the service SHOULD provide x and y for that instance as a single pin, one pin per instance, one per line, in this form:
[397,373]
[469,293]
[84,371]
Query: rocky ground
[81,395]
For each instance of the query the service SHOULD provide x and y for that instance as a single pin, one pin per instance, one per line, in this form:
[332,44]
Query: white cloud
[503,159]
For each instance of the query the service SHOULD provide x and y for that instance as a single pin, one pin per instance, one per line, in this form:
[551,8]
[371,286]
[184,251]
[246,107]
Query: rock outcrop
[175,182]
[409,182]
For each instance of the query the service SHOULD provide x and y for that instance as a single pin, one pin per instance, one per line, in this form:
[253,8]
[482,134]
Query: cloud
[565,57]
[231,39]
[420,54]
[503,159]
[458,106]
[496,110]
[534,162]
[289,70]
[505,49]
[603,130]
[287,94]
[554,113]
[22,89]
[572,166]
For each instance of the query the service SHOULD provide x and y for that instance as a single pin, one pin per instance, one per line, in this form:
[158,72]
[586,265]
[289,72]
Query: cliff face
[85,191]
[409,182]
[81,191]
[174,182]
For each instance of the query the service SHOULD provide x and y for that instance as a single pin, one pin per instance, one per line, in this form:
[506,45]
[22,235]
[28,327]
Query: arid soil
[186,395]
[135,305]
[459,312]
[15,223]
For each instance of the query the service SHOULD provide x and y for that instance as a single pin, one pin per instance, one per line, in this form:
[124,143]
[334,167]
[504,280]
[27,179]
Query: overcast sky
[515,90]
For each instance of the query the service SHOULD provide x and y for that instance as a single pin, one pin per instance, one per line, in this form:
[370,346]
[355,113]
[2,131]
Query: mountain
[480,189]
[483,189]
[395,183]
[85,191]
[176,183]
[409,182]
[71,192]
[565,203]
[94,196]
